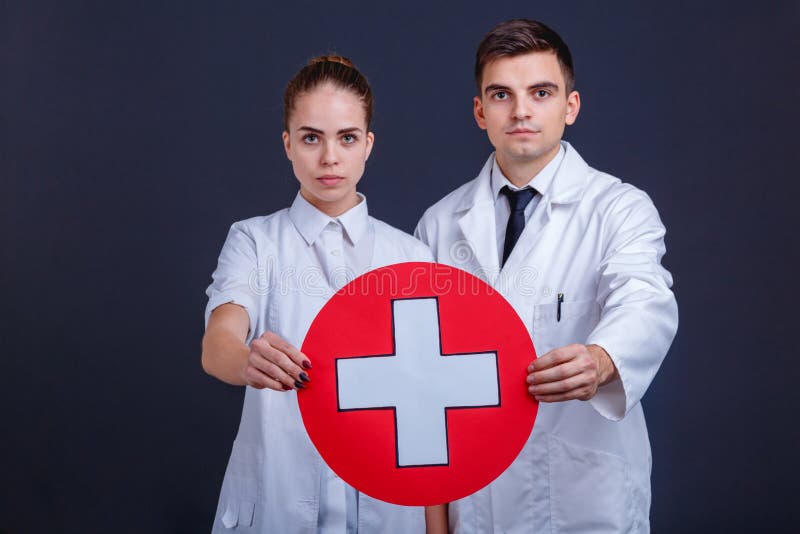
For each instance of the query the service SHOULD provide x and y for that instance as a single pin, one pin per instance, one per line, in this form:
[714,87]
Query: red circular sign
[418,394]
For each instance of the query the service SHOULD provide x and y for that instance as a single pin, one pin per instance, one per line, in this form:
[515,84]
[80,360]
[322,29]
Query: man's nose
[522,109]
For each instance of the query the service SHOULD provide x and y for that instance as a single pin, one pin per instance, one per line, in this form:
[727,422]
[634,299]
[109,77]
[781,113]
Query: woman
[274,274]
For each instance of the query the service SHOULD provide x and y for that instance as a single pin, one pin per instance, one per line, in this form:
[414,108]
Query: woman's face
[328,145]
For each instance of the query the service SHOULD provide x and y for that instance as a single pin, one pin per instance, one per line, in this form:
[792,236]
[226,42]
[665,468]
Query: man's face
[524,108]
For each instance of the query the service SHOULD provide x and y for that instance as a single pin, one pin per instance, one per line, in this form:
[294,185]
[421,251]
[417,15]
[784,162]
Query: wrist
[607,371]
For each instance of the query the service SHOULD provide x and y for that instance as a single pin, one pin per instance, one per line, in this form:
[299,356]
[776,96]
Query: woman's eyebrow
[310,129]
[351,129]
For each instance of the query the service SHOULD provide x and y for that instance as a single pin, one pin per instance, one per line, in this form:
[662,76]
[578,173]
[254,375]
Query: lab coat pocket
[241,490]
[590,490]
[574,325]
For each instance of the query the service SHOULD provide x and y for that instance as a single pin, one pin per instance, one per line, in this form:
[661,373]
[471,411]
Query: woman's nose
[329,154]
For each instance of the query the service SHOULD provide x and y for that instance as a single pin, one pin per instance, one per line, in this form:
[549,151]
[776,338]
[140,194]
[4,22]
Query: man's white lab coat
[599,242]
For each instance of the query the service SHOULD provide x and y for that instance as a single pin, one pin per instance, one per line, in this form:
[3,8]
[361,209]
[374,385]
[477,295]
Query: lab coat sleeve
[426,232]
[237,278]
[639,314]
[420,232]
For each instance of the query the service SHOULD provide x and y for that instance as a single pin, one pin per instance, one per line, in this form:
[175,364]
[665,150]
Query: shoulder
[260,234]
[410,245]
[262,226]
[619,204]
[449,204]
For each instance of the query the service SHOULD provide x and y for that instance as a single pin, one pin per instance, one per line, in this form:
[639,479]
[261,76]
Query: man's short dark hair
[522,36]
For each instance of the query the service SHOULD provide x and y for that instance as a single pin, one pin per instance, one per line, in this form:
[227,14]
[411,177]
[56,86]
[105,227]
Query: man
[577,253]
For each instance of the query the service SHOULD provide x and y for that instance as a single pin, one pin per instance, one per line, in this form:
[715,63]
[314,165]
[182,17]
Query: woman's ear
[370,142]
[287,145]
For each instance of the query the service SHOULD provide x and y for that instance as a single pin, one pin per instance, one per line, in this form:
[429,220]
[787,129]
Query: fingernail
[304,377]
[299,385]
[306,364]
[285,387]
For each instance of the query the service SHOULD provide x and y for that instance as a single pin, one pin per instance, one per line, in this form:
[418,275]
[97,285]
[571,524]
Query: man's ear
[477,110]
[287,145]
[573,107]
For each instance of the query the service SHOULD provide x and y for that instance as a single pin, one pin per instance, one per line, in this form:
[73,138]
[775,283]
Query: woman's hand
[269,361]
[275,364]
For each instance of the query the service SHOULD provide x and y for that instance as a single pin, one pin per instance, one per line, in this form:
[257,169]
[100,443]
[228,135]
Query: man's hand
[275,364]
[571,372]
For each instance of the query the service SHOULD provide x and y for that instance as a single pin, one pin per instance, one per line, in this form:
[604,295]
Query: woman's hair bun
[332,58]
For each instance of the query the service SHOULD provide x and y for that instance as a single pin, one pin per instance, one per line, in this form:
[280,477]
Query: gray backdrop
[132,137]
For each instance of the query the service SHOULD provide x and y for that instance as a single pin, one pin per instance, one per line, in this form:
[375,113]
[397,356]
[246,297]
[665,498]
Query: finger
[576,394]
[269,368]
[272,354]
[290,350]
[561,386]
[555,373]
[257,379]
[552,358]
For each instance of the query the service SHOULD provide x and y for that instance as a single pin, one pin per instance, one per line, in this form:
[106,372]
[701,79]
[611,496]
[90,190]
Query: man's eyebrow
[545,84]
[495,87]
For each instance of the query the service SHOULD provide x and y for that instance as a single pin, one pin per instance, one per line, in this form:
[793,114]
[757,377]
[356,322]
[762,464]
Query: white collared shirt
[336,242]
[343,247]
[540,182]
[282,268]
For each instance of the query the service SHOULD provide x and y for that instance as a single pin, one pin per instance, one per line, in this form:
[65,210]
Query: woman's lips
[330,179]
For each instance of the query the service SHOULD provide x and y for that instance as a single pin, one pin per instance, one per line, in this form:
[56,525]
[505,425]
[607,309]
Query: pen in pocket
[558,309]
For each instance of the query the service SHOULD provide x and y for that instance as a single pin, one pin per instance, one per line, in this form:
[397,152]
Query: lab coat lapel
[476,219]
[567,187]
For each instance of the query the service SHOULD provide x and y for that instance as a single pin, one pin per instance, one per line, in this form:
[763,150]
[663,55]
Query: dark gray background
[132,137]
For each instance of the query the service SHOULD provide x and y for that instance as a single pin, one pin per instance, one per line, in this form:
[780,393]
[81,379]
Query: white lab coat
[272,482]
[586,466]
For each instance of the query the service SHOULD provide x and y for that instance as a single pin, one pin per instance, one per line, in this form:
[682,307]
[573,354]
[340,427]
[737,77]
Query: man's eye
[541,93]
[310,138]
[349,139]
[500,95]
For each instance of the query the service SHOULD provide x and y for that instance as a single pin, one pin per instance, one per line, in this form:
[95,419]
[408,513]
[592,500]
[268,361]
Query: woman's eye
[310,138]
[349,139]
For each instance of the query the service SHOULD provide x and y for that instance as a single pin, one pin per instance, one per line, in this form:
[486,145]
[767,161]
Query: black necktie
[516,221]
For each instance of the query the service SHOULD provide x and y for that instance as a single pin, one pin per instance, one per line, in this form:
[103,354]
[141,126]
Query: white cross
[418,382]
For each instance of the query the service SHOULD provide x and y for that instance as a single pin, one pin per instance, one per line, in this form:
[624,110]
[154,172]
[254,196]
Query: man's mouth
[522,131]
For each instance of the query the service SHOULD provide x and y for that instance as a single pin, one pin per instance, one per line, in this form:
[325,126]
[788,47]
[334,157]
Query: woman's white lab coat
[272,482]
[599,242]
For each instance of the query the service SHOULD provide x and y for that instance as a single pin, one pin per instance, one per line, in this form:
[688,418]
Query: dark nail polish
[285,387]
[306,364]
[304,377]
[299,385]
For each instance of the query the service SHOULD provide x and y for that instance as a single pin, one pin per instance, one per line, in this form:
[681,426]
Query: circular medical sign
[418,394]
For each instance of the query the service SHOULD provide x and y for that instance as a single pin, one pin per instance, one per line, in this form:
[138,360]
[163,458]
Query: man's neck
[521,171]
